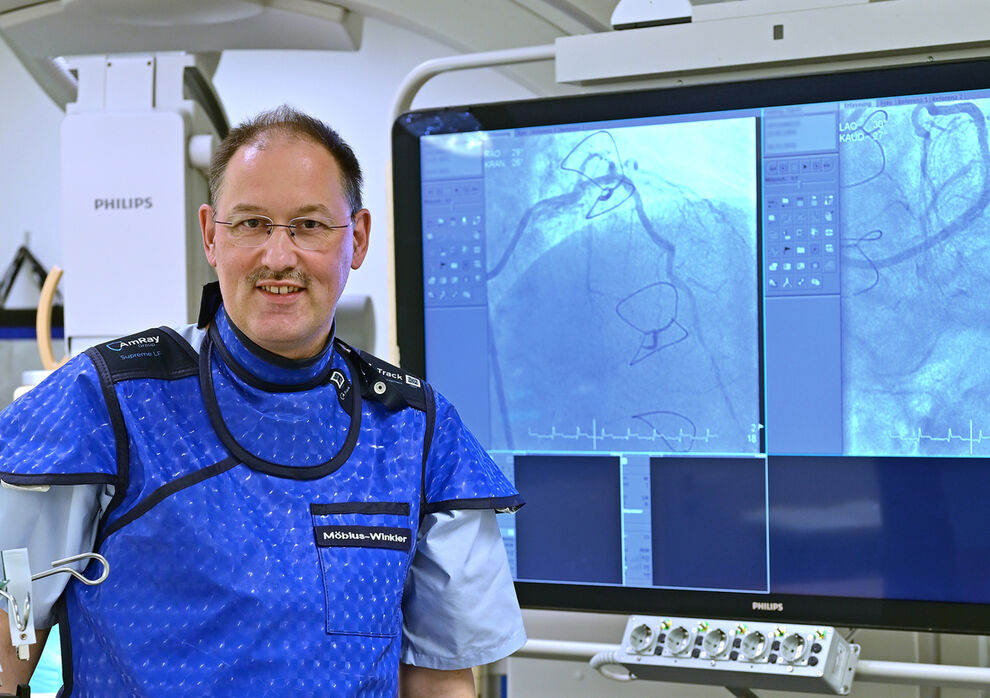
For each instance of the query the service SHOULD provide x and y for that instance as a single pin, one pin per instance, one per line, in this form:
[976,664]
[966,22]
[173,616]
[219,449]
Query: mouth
[278,290]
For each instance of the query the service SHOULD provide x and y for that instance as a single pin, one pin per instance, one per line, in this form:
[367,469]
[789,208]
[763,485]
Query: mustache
[264,273]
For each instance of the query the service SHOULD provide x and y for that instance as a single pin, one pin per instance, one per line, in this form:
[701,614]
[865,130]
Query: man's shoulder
[159,352]
[381,381]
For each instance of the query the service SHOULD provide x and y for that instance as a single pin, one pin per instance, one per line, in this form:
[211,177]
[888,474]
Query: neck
[264,364]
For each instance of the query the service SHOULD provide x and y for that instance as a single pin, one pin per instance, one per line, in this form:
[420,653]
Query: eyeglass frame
[271,225]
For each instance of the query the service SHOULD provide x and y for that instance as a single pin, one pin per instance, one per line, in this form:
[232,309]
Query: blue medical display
[588,548]
[729,341]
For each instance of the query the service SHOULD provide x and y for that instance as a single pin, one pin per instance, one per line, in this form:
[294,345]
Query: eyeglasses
[307,232]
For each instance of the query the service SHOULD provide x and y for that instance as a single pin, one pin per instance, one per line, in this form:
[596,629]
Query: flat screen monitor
[730,341]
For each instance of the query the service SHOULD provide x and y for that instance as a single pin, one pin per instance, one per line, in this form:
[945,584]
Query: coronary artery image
[622,288]
[916,276]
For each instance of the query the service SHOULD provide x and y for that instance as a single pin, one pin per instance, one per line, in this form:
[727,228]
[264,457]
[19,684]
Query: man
[282,514]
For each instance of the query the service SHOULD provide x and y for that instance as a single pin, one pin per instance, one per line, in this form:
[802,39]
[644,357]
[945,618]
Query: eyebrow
[302,211]
[315,208]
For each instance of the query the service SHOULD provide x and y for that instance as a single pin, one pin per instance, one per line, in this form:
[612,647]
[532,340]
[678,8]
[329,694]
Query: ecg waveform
[918,436]
[595,435]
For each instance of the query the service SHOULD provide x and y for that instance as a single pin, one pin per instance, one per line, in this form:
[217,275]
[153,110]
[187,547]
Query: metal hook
[68,570]
[20,621]
[22,616]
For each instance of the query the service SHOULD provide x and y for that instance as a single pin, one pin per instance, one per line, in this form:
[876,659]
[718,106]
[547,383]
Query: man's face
[283,177]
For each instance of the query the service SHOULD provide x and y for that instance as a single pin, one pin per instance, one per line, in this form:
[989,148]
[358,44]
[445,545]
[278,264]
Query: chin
[274,334]
[291,340]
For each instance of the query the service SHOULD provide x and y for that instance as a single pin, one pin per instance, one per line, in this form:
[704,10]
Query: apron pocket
[364,570]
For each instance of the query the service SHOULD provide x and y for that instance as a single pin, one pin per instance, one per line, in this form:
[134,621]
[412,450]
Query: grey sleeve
[460,608]
[51,525]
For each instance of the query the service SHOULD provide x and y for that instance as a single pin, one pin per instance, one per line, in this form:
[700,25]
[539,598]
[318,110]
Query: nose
[280,252]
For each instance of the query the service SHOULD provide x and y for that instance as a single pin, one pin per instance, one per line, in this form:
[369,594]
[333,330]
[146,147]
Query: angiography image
[622,288]
[916,278]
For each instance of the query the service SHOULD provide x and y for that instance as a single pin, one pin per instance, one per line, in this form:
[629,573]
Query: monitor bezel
[711,97]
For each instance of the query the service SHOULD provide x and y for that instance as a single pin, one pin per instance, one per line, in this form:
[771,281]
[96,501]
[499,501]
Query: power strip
[741,654]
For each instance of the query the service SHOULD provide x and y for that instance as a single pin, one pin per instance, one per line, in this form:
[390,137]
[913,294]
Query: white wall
[29,200]
[29,172]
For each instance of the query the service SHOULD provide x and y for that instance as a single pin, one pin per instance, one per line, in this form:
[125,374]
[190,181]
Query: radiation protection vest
[264,517]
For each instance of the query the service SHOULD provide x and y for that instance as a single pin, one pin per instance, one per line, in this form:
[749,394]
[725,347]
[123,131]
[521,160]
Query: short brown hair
[288,121]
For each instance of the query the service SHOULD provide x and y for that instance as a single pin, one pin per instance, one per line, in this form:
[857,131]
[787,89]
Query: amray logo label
[767,606]
[139,342]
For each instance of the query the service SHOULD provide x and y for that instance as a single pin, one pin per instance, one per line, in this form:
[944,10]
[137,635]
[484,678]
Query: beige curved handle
[43,320]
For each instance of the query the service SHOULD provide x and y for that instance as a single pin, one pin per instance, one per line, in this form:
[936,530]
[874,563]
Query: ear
[362,231]
[209,229]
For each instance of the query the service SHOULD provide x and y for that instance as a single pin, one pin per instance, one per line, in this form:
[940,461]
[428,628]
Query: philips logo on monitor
[136,202]
[768,606]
